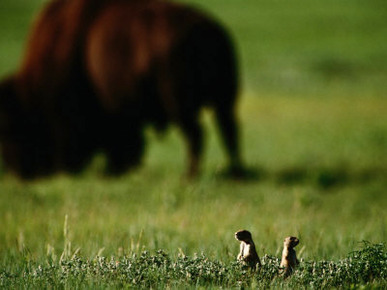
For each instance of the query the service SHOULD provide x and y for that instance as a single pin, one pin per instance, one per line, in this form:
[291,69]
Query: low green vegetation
[160,270]
[314,128]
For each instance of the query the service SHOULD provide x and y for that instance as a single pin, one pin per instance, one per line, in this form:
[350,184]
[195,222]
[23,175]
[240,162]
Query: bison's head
[24,139]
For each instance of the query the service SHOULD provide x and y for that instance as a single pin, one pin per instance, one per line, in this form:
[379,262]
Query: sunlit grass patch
[160,270]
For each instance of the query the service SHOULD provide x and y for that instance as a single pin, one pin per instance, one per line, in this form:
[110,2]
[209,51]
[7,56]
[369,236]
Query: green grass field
[313,111]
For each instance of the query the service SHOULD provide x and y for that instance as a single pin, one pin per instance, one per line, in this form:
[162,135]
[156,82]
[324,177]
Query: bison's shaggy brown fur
[96,72]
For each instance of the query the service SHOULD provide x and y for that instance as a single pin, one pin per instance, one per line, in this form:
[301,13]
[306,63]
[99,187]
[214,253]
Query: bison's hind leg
[194,137]
[213,80]
[228,128]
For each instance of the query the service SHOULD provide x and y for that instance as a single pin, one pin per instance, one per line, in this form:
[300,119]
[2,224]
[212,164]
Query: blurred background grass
[313,112]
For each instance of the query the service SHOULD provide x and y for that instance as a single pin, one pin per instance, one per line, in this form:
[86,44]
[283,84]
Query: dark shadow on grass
[322,177]
[249,174]
[327,178]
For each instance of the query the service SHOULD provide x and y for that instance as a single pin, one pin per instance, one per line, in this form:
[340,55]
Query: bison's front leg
[123,144]
[194,137]
[125,154]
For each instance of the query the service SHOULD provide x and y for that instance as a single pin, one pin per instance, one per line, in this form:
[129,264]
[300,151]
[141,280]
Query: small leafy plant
[367,266]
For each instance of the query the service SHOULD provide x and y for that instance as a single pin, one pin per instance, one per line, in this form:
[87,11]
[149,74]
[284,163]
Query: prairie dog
[247,254]
[289,259]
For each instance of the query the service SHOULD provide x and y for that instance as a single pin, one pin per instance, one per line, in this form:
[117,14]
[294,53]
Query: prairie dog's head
[291,242]
[243,236]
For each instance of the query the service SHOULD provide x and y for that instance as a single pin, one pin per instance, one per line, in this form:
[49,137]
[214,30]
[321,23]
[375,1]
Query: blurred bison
[96,72]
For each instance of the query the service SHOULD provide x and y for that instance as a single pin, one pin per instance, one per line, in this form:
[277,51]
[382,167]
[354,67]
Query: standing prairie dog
[289,259]
[247,252]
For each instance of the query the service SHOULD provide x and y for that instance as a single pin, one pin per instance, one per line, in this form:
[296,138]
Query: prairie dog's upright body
[247,253]
[289,259]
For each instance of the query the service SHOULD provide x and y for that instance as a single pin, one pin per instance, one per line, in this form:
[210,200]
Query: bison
[96,72]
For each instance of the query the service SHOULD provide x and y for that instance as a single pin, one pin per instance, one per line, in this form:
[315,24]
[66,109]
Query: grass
[160,270]
[314,127]
[303,46]
[330,200]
